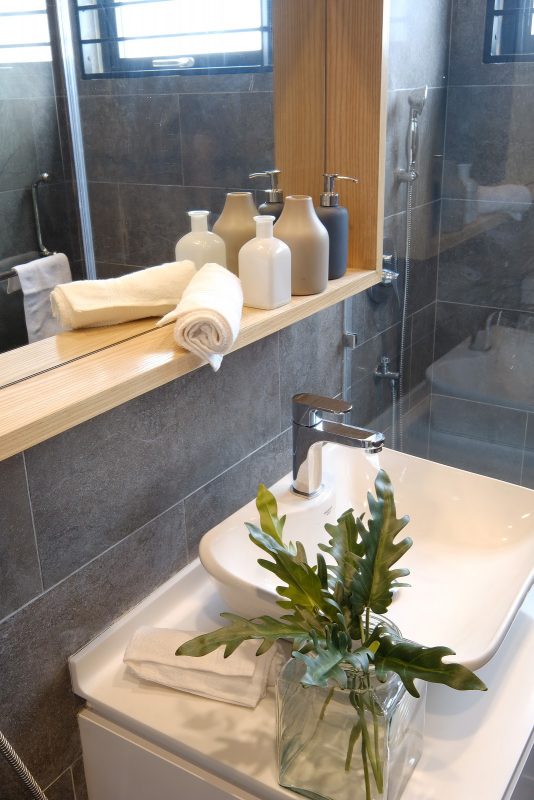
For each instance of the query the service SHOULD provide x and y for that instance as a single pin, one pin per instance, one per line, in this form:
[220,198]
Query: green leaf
[374,579]
[302,585]
[344,549]
[328,654]
[411,660]
[270,522]
[240,630]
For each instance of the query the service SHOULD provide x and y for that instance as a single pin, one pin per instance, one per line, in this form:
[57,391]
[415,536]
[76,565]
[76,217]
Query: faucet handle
[307,408]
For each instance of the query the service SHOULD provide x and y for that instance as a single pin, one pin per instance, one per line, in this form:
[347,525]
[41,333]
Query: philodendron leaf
[374,579]
[324,664]
[410,660]
[344,549]
[270,522]
[240,630]
[302,585]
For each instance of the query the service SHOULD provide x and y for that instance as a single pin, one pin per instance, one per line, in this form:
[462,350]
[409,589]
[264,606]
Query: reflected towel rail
[44,177]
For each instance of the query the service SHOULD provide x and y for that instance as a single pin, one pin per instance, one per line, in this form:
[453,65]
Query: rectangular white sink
[471,564]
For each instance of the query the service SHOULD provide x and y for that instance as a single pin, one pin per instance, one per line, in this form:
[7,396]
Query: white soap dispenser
[201,246]
[265,268]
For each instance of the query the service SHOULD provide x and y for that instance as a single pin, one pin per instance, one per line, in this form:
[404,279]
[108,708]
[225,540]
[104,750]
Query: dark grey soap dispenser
[335,218]
[274,205]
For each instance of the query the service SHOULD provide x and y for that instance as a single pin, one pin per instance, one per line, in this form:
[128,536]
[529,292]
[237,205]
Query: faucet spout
[311,431]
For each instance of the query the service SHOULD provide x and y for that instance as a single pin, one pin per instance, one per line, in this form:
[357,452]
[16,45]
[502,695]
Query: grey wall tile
[45,128]
[176,84]
[225,137]
[18,164]
[489,267]
[221,497]
[491,128]
[150,237]
[78,776]
[20,578]
[37,706]
[419,43]
[132,138]
[467,48]
[371,397]
[13,331]
[62,788]
[94,484]
[108,222]
[416,429]
[527,475]
[456,322]
[26,81]
[475,455]
[483,421]
[311,358]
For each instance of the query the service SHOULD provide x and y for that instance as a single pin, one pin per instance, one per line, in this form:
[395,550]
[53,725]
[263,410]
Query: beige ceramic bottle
[300,228]
[236,225]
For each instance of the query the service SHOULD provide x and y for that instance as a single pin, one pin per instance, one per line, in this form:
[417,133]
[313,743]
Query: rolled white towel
[241,679]
[208,315]
[146,293]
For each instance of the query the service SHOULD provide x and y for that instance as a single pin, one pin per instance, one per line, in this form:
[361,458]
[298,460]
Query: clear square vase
[359,743]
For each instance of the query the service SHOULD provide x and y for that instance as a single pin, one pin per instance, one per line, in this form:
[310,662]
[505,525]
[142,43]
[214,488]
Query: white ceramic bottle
[201,246]
[265,268]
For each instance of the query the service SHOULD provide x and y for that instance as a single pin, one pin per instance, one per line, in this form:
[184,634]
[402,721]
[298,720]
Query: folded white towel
[240,679]
[37,279]
[208,315]
[146,293]
[511,198]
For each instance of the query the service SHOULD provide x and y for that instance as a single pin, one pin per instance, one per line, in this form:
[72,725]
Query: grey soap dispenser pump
[335,218]
[274,205]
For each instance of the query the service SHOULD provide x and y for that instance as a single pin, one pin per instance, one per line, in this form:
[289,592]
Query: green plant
[328,611]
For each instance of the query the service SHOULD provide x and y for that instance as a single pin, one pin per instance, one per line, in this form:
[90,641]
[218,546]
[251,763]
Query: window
[24,34]
[138,37]
[509,31]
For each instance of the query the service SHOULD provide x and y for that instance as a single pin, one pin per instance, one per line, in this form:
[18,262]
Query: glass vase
[359,743]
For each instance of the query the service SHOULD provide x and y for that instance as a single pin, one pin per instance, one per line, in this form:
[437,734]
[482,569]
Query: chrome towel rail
[44,177]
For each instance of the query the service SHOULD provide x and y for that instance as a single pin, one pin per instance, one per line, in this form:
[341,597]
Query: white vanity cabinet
[146,742]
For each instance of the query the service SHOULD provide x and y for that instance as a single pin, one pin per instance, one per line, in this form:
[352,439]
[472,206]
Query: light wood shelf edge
[48,404]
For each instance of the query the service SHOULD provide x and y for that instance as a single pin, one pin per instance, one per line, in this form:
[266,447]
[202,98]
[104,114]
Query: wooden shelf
[58,399]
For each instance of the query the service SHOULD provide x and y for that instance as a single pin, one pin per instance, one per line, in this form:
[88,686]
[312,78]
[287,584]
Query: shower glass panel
[465,392]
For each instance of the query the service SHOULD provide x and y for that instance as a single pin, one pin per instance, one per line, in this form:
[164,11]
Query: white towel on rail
[241,679]
[146,293]
[37,279]
[208,315]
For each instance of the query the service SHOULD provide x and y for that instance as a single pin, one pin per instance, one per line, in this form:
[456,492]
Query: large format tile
[490,127]
[20,578]
[177,84]
[37,706]
[94,484]
[45,126]
[13,332]
[155,217]
[419,43]
[230,491]
[132,138]
[527,475]
[474,455]
[18,163]
[467,48]
[225,137]
[488,268]
[26,81]
[108,222]
[456,322]
[62,788]
[17,234]
[311,358]
[78,776]
[483,421]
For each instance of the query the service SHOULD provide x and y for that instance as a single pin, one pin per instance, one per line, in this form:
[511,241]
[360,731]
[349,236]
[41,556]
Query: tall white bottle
[265,268]
[201,246]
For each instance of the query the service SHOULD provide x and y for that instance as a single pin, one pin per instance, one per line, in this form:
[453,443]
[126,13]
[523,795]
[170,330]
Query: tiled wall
[94,519]
[157,147]
[483,267]
[419,52]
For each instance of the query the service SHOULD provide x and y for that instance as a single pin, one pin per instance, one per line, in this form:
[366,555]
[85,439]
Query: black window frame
[517,18]
[205,64]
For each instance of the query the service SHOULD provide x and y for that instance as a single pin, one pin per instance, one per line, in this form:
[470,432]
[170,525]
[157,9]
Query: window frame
[512,15]
[114,66]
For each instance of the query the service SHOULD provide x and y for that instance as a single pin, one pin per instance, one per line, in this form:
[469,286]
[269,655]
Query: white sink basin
[471,564]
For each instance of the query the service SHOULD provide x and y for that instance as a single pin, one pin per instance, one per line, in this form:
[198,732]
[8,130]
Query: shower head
[417,100]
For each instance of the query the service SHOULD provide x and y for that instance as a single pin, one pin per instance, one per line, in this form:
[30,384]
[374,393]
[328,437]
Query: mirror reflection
[175,105]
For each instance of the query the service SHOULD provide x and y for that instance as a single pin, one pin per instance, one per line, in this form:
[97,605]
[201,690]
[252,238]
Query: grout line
[279,378]
[483,403]
[72,781]
[33,520]
[180,139]
[50,785]
[523,458]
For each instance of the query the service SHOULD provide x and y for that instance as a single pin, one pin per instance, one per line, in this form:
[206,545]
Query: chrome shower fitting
[416,100]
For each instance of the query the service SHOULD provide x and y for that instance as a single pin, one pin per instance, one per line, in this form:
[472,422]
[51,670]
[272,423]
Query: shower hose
[404,319]
[21,769]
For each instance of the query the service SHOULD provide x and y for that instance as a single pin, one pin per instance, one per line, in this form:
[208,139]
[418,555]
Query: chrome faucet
[311,431]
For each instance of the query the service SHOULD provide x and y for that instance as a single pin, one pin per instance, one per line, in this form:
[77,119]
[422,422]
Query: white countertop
[475,742]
